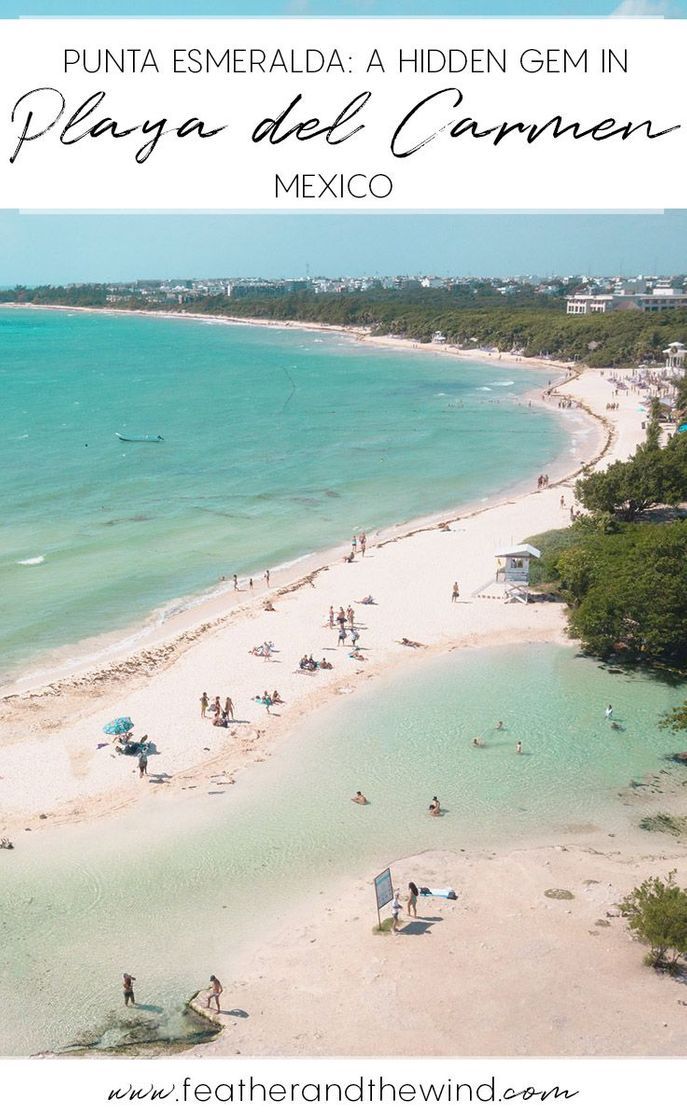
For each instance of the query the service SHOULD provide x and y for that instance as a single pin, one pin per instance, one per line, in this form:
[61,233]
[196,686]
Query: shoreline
[58,723]
[175,619]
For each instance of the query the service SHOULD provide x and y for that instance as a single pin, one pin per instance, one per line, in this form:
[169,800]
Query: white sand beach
[409,571]
[505,970]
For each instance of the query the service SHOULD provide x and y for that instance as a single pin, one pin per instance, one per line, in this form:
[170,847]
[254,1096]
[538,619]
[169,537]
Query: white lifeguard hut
[514,564]
[675,359]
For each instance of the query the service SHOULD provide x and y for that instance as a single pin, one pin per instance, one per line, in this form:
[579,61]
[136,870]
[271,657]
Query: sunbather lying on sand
[412,644]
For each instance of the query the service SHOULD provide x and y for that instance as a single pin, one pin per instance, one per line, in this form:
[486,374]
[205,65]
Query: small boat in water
[140,439]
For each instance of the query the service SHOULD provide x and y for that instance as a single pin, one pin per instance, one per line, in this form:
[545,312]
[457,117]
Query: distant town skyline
[61,248]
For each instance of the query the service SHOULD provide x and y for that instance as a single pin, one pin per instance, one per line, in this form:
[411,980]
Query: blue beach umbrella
[118,726]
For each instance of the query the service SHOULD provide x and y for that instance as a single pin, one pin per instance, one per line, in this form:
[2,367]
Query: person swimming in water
[435,807]
[360,799]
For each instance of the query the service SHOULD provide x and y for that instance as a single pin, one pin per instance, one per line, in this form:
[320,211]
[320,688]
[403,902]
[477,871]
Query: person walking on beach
[228,708]
[128,987]
[342,636]
[204,701]
[214,992]
[267,577]
[396,908]
[412,900]
[143,763]
[456,593]
[331,618]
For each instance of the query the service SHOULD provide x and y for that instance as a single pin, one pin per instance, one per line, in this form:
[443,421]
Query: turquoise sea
[174,897]
[277,443]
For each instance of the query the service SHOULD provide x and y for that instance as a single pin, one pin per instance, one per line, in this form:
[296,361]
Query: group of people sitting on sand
[269,699]
[308,664]
[265,650]
[126,744]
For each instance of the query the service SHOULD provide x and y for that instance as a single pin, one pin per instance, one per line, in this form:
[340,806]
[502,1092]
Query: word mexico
[37,113]
[314,185]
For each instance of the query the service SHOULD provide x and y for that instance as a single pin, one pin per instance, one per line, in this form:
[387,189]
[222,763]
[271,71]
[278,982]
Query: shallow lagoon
[169,895]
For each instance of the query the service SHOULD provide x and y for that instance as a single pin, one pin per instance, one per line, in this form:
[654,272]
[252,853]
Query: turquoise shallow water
[170,897]
[276,443]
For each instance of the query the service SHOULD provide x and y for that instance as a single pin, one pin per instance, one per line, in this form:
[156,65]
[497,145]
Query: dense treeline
[653,476]
[625,586]
[469,315]
[625,580]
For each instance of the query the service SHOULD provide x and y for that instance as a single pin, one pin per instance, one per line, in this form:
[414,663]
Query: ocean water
[277,443]
[173,897]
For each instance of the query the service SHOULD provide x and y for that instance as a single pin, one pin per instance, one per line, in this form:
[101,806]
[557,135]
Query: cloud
[641,9]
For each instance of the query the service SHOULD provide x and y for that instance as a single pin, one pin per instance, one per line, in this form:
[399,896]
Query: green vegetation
[653,476]
[625,579]
[656,911]
[625,586]
[469,314]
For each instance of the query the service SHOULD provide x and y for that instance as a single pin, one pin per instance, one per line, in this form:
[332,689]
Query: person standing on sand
[363,543]
[228,708]
[236,581]
[342,636]
[204,701]
[455,594]
[143,763]
[128,987]
[331,618]
[412,900]
[214,992]
[396,908]
[354,544]
[267,577]
[250,583]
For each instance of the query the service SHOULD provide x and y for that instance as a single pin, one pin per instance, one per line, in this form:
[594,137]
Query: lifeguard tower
[515,564]
[512,575]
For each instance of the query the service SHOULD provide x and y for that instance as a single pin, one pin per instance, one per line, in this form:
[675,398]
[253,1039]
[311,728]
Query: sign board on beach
[384,889]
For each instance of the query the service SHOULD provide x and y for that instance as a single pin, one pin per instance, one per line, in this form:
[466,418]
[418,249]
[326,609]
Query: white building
[660,299]
[675,359]
[515,566]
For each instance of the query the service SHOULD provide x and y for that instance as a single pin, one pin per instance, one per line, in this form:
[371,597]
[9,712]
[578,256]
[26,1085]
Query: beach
[409,572]
[60,776]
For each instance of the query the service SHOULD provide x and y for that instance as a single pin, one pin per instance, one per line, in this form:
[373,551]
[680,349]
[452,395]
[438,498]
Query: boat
[140,439]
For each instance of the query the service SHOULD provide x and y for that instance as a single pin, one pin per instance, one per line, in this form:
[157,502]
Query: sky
[61,248]
[357,8]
